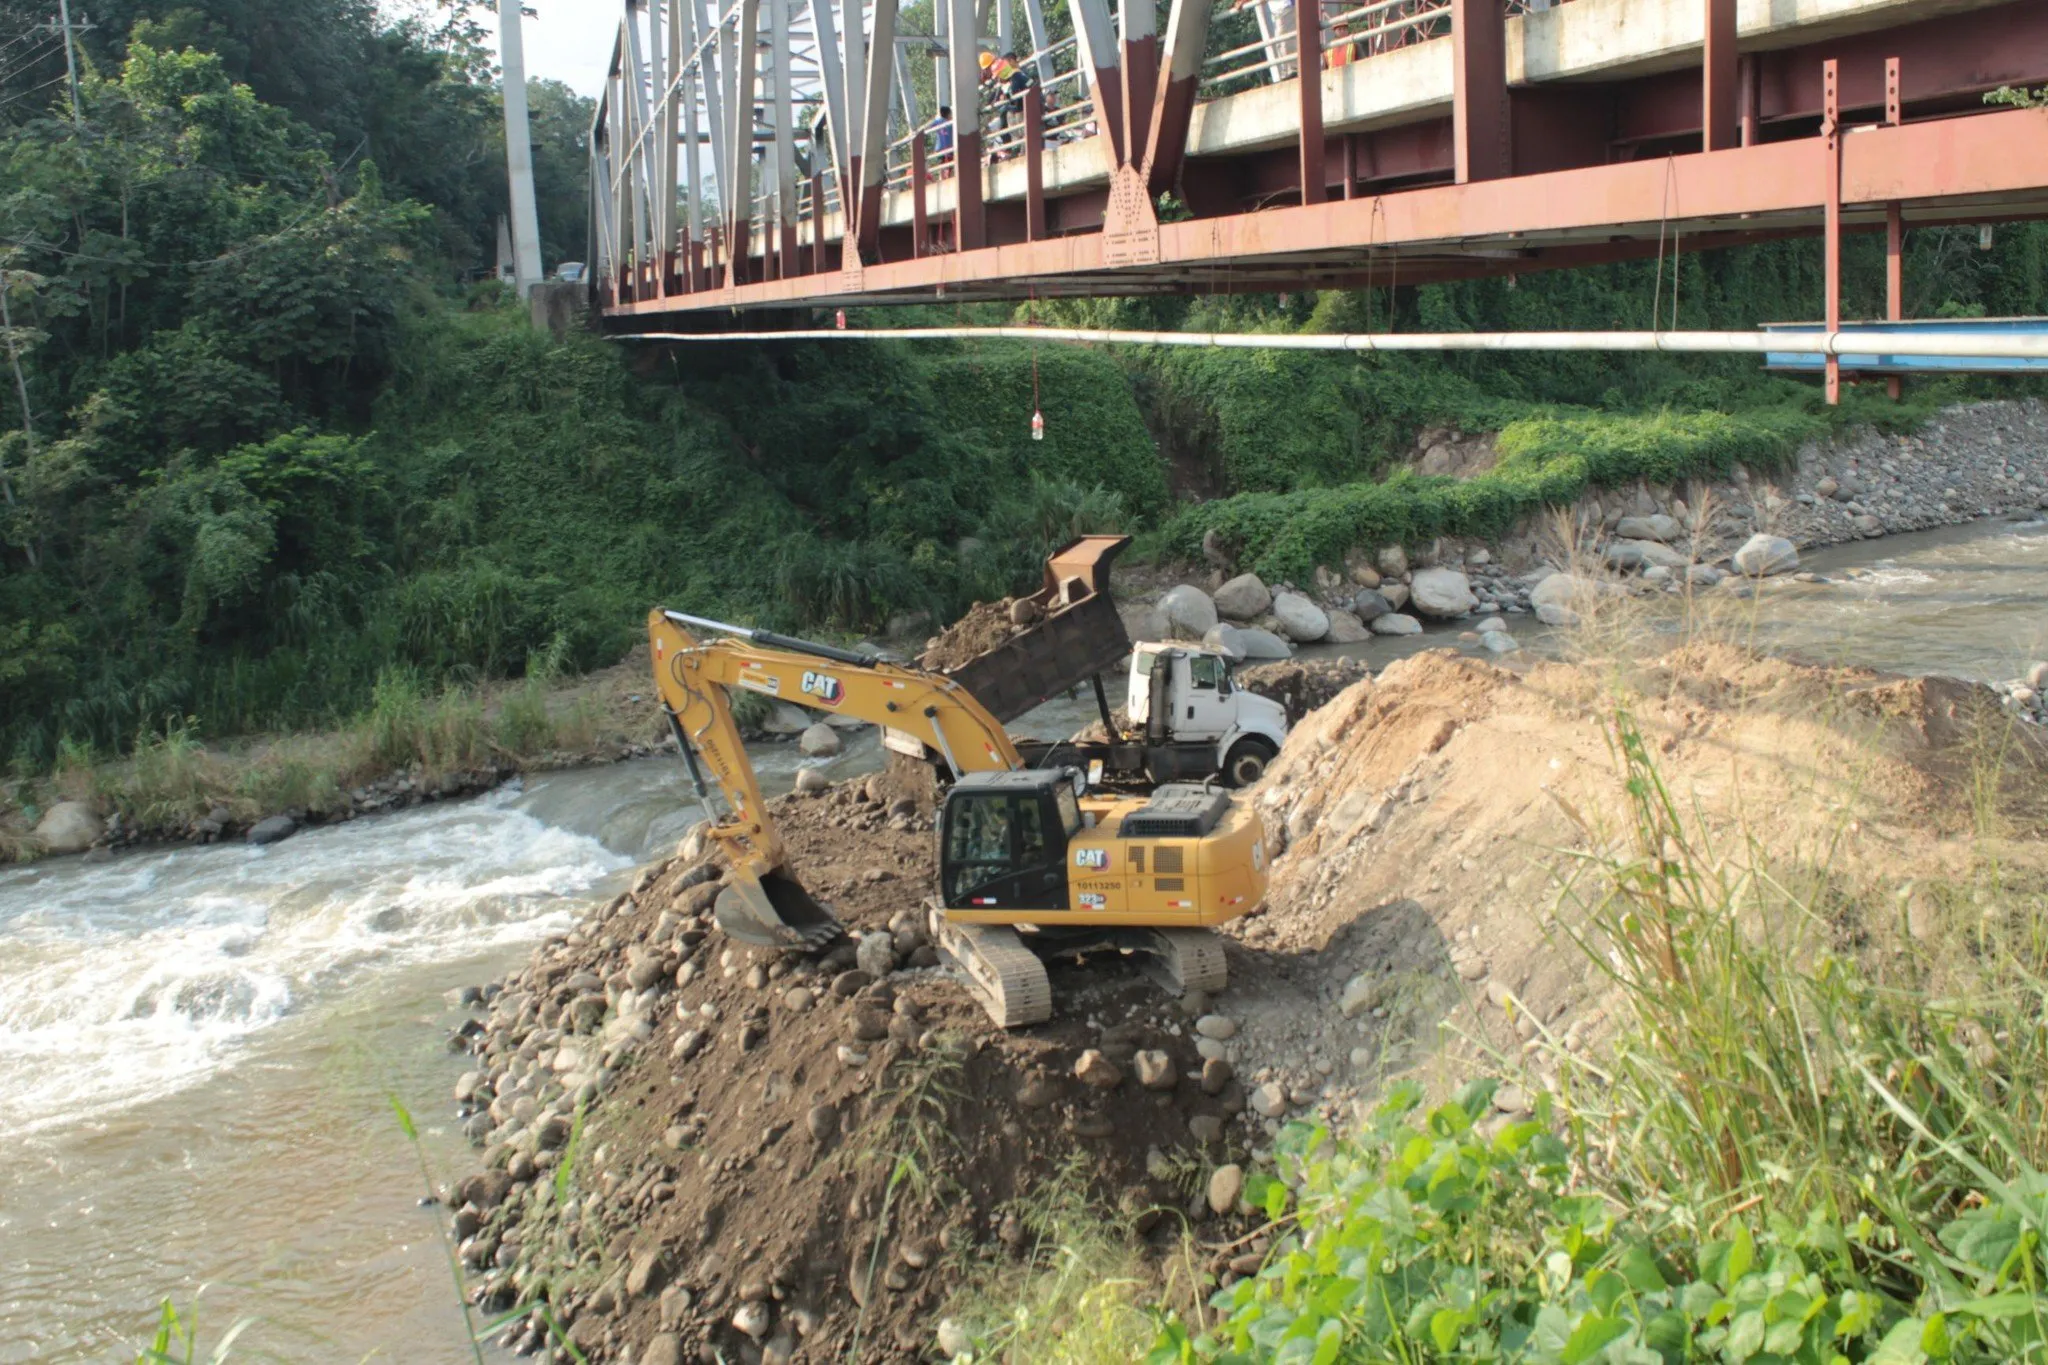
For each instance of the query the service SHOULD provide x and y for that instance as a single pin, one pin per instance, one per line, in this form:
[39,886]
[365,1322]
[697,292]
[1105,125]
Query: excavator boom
[762,903]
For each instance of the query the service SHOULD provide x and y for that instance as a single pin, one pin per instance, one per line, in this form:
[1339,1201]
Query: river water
[200,1048]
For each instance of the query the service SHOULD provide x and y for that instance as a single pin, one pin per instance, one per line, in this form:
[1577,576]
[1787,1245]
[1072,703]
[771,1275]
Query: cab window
[1070,811]
[980,833]
[1205,670]
[1145,661]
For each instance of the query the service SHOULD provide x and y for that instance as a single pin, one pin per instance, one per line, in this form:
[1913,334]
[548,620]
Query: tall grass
[1806,1044]
[171,777]
[1820,1134]
[1085,1292]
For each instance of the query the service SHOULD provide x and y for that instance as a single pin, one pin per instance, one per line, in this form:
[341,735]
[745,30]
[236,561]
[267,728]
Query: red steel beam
[1831,188]
[1479,96]
[1166,144]
[1034,163]
[1308,51]
[920,226]
[1720,120]
[1894,230]
[1988,164]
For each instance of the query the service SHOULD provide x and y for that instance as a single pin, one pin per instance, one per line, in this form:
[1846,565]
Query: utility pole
[71,59]
[519,149]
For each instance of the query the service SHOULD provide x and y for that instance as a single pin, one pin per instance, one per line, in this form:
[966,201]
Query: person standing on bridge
[1007,81]
[942,162]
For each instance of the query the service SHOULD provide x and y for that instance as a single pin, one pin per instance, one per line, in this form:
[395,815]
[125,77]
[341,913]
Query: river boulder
[1243,598]
[1441,593]
[1226,640]
[1394,623]
[1346,629]
[1262,646]
[1301,620]
[1657,526]
[1642,554]
[1762,555]
[1368,605]
[69,827]
[1190,613]
[819,741]
[273,829]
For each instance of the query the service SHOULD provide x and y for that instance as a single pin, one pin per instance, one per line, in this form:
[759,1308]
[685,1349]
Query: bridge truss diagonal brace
[1096,41]
[881,62]
[1166,143]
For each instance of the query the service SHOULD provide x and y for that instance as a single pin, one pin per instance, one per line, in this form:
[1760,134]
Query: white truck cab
[1197,720]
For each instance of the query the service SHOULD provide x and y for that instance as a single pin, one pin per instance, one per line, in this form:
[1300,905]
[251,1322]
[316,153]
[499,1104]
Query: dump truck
[1186,719]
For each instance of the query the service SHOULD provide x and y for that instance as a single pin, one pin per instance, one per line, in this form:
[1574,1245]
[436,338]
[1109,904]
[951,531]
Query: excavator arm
[762,903]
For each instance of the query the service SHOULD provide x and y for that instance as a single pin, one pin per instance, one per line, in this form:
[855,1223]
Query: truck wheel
[1246,762]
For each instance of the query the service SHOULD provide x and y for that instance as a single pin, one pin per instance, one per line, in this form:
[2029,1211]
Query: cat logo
[824,687]
[1097,858]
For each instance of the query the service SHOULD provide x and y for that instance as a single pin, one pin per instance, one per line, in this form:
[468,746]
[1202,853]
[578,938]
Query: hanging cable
[1037,410]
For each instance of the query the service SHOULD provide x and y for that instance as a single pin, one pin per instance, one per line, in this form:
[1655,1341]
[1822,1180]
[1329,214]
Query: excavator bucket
[772,909]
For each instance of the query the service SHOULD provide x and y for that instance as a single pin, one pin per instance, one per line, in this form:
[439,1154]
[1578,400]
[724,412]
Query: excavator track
[1184,960]
[1004,975]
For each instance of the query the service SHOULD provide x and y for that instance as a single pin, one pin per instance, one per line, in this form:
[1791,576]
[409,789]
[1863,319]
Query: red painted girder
[1998,156]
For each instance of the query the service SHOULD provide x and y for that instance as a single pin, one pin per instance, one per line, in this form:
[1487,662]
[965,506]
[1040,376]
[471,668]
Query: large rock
[273,829]
[1394,623]
[1442,593]
[1262,646]
[69,827]
[810,780]
[819,741]
[1226,1186]
[1560,598]
[1654,527]
[1243,598]
[1346,629]
[784,719]
[1369,605]
[1301,620]
[1143,623]
[1393,561]
[1189,612]
[1762,555]
[1396,594]
[1226,640]
[1642,554]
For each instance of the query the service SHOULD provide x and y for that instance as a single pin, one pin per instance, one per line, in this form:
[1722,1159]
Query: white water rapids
[198,1046]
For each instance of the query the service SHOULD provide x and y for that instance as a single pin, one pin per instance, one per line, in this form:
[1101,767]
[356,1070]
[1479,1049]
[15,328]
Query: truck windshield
[1143,663]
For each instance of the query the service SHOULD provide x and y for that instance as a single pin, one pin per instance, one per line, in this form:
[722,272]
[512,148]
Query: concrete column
[526,265]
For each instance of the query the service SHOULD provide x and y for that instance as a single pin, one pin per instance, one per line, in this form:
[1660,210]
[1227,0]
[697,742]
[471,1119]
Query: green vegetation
[1818,1137]
[176,1340]
[267,459]
[1545,460]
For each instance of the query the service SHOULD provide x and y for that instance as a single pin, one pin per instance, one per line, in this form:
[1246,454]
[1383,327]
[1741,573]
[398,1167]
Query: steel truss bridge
[757,155]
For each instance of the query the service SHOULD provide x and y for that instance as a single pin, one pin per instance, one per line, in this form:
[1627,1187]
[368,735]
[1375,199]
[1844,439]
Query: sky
[569,41]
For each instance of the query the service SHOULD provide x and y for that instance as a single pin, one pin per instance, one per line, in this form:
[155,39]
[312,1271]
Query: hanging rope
[1657,286]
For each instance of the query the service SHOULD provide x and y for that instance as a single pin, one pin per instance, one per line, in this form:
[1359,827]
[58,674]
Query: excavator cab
[1003,839]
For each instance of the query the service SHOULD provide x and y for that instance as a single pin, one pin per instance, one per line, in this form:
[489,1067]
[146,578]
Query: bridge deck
[1575,136]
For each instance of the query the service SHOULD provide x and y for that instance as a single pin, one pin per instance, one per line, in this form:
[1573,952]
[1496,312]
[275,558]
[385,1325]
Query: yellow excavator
[1032,864]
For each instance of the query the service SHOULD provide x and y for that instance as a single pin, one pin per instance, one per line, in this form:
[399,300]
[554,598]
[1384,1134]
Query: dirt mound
[1302,685]
[1426,820]
[983,628]
[783,1154]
